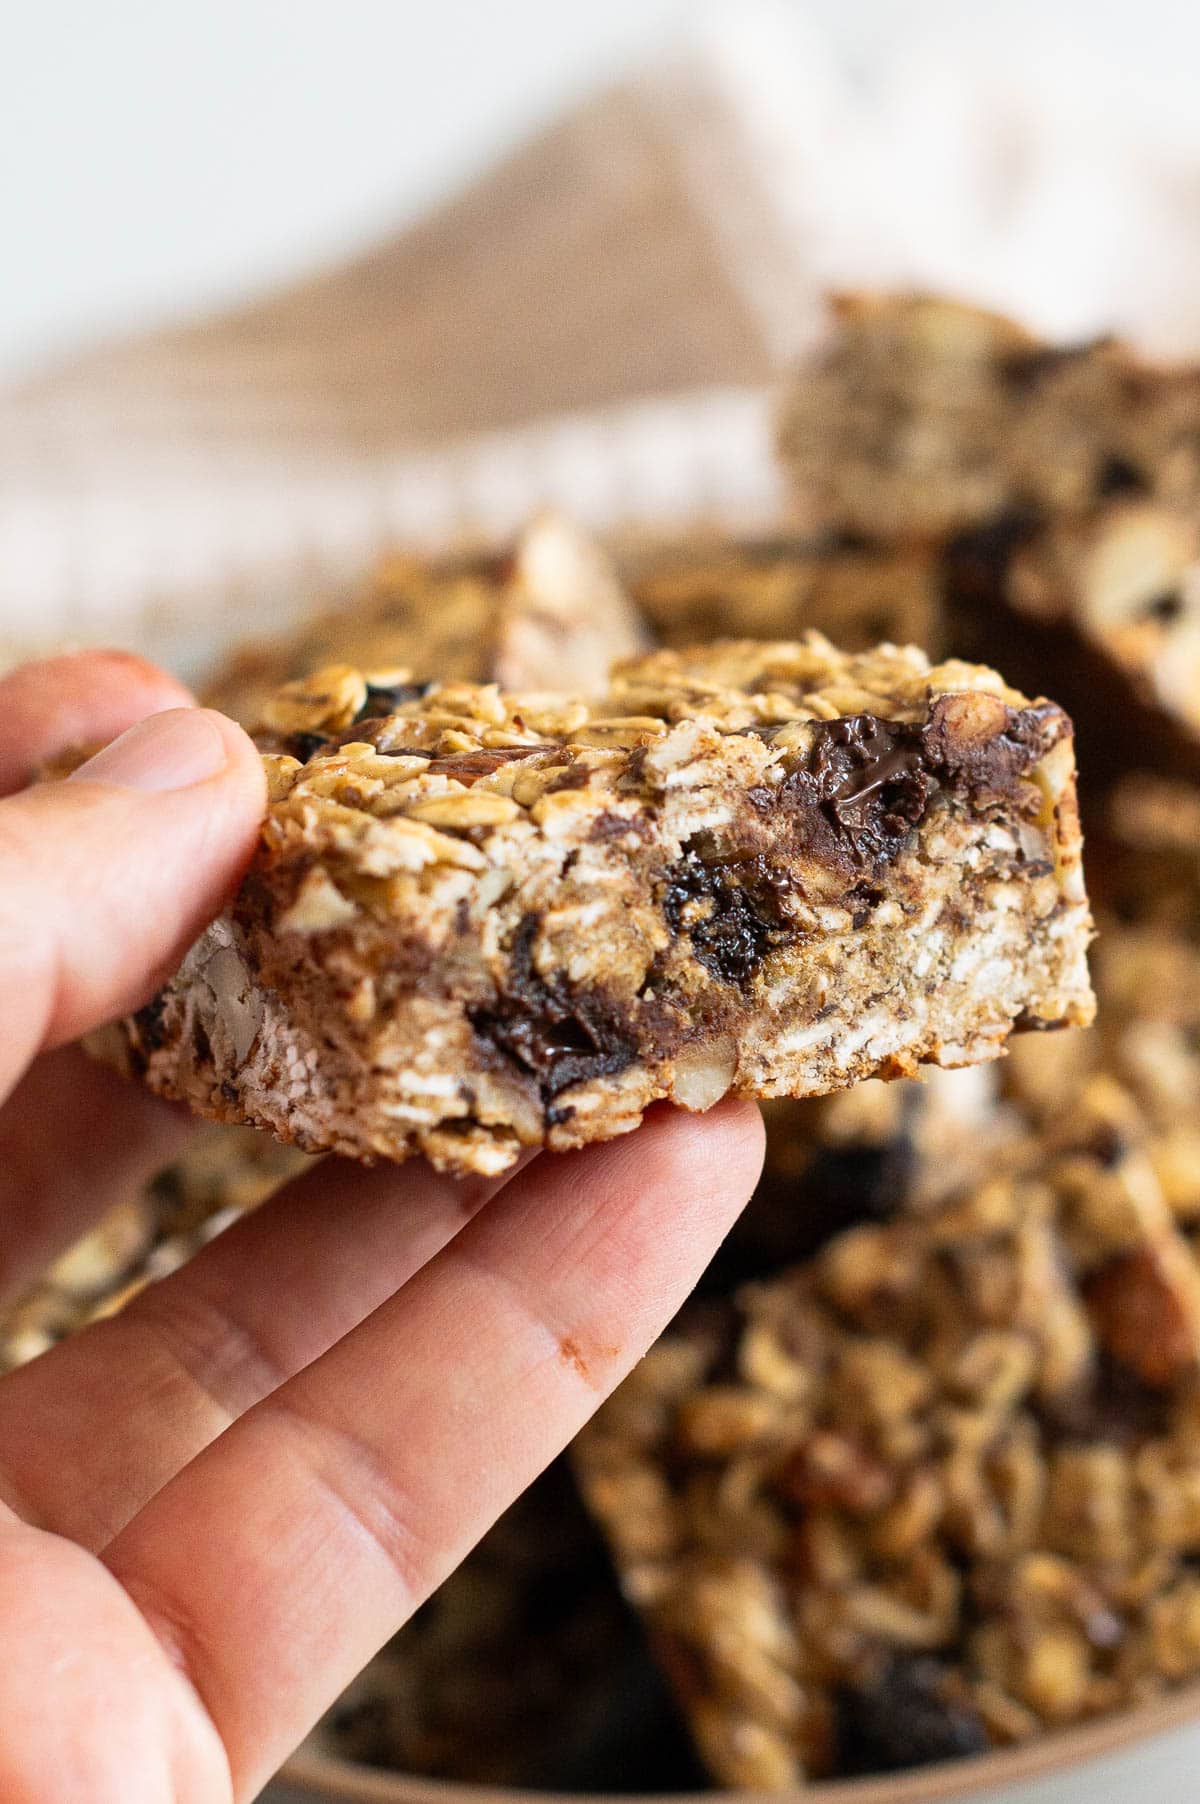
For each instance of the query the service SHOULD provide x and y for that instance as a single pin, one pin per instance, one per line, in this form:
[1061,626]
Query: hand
[217,1505]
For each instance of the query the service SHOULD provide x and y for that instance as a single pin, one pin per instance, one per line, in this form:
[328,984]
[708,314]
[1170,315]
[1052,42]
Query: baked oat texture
[478,922]
[921,416]
[937,1489]
[549,614]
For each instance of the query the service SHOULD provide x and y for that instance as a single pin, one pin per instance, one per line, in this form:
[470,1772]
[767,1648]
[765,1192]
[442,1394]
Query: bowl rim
[325,1775]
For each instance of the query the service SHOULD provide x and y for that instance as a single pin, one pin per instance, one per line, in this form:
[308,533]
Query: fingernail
[167,751]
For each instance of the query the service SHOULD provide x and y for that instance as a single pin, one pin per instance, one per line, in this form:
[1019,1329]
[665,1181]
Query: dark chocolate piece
[559,1039]
[905,1718]
[303,745]
[730,910]
[381,701]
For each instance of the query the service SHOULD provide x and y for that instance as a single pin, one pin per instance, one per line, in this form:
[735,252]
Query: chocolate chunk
[861,791]
[1117,476]
[861,900]
[468,767]
[980,747]
[1023,370]
[864,786]
[904,1718]
[304,745]
[150,1023]
[381,701]
[730,910]
[558,1037]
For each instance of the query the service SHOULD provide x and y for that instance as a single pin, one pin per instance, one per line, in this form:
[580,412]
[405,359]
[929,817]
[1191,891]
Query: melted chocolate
[976,756]
[732,911]
[854,802]
[862,790]
[557,1036]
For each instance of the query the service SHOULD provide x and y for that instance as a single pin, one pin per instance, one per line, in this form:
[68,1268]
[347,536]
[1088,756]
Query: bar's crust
[550,613]
[477,923]
[920,416]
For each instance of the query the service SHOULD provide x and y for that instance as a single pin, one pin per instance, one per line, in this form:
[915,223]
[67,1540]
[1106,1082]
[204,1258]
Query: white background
[157,157]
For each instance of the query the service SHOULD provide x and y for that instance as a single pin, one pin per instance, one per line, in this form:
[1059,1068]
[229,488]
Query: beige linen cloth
[596,324]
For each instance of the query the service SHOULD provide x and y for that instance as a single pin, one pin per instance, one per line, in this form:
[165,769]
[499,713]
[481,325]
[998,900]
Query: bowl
[1150,1753]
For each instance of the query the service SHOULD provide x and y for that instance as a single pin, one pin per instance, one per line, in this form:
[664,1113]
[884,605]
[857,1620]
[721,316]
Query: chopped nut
[319,906]
[1144,1318]
[329,698]
[474,809]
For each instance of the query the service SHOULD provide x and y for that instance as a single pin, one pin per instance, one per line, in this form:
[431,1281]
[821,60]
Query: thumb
[107,877]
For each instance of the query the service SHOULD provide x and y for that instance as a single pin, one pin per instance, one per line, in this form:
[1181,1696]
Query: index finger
[290,1550]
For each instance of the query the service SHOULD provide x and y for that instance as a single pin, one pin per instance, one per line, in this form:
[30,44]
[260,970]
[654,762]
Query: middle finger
[75,1140]
[94,1428]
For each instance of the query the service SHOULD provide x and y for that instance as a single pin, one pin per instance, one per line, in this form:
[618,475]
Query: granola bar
[859,595]
[936,1489]
[1110,600]
[549,614]
[1151,852]
[920,417]
[478,922]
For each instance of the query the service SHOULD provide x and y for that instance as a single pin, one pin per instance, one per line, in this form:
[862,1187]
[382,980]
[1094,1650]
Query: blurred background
[287,282]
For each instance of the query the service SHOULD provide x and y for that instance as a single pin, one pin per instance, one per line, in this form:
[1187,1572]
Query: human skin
[215,1506]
